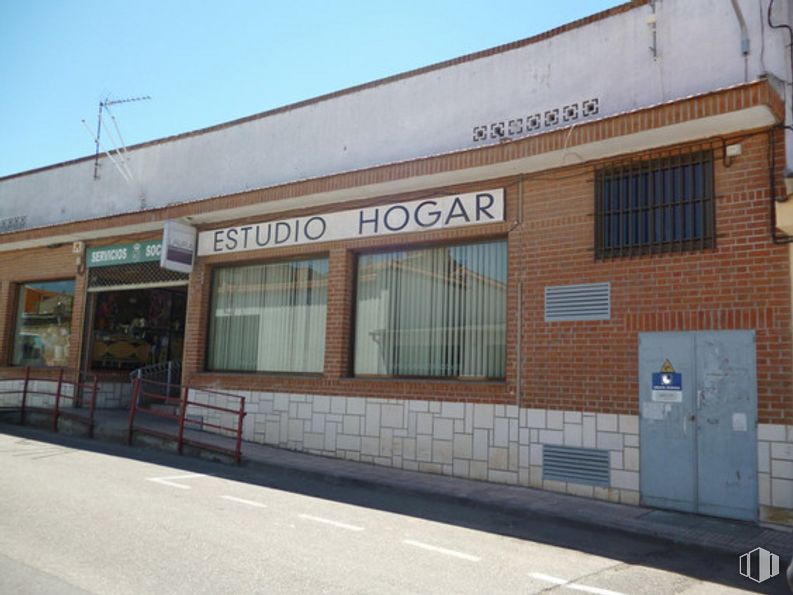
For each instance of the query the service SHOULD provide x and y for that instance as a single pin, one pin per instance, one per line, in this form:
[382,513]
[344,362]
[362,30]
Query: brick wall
[583,366]
[341,257]
[743,283]
[576,366]
[41,264]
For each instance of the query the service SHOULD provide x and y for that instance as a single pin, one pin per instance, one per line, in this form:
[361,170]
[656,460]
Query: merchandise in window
[269,317]
[42,333]
[437,312]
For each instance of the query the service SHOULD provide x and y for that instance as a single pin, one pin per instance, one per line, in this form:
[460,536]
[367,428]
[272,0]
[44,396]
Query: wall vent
[576,465]
[9,224]
[591,301]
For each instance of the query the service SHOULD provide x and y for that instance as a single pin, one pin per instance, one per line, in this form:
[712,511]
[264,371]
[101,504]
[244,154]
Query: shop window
[42,333]
[269,317]
[138,327]
[656,205]
[437,312]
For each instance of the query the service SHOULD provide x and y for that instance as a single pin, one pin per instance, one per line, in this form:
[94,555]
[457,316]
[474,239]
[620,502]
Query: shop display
[137,327]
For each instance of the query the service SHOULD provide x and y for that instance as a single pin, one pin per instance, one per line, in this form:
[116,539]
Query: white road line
[548,578]
[173,484]
[596,590]
[571,585]
[442,550]
[244,501]
[319,519]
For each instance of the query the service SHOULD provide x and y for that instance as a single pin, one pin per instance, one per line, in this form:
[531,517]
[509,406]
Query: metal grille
[133,276]
[576,465]
[664,204]
[578,302]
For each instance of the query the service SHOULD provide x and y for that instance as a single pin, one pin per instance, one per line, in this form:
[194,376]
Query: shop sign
[178,241]
[475,208]
[124,254]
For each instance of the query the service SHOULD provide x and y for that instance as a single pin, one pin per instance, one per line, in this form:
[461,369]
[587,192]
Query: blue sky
[204,63]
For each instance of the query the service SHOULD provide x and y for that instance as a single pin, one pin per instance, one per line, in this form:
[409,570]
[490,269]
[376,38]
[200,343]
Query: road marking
[319,519]
[166,480]
[55,454]
[571,585]
[37,451]
[442,550]
[244,501]
[548,578]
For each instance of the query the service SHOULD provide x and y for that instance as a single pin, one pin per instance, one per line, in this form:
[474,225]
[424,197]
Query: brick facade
[579,377]
[744,283]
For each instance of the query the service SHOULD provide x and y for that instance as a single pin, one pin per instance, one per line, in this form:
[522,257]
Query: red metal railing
[149,390]
[81,385]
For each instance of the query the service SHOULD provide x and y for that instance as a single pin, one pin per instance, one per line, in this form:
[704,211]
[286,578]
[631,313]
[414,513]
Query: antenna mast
[104,106]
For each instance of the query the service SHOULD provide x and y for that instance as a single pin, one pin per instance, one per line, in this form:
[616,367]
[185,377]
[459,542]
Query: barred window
[657,205]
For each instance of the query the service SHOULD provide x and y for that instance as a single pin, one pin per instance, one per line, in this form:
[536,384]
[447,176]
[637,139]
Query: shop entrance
[134,319]
[133,328]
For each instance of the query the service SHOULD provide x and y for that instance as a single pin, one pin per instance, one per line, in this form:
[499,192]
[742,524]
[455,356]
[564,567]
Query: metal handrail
[181,417]
[76,396]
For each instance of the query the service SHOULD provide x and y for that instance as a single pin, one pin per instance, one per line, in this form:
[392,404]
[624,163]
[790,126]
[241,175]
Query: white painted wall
[698,50]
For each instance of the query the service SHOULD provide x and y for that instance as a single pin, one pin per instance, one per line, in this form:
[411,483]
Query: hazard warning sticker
[667,384]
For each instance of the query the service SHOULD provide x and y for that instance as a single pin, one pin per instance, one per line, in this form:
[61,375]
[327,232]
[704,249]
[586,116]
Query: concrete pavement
[89,516]
[693,530]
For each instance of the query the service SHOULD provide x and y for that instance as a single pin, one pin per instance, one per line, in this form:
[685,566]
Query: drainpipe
[744,39]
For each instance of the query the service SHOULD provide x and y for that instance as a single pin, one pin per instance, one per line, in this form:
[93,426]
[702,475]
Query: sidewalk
[712,533]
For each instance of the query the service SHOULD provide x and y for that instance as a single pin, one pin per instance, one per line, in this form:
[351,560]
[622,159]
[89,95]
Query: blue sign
[667,381]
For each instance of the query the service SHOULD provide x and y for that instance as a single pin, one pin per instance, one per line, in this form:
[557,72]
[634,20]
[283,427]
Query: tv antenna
[119,148]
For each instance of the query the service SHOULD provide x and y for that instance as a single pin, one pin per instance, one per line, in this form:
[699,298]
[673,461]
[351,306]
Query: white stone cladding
[41,393]
[497,443]
[775,472]
[109,395]
[11,393]
[113,395]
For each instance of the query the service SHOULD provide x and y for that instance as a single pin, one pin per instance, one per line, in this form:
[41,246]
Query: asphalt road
[78,516]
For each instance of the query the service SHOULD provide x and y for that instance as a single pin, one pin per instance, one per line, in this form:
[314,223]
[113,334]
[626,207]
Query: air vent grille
[576,465]
[9,224]
[591,301]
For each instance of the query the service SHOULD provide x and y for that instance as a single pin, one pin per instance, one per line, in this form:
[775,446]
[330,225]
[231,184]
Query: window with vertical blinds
[269,317]
[438,312]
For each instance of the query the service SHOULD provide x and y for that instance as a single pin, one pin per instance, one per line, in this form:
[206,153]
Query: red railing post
[25,393]
[182,415]
[56,409]
[238,446]
[77,396]
[132,408]
[92,409]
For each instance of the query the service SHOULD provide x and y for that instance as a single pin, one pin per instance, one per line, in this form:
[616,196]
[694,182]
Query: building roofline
[693,108]
[578,23]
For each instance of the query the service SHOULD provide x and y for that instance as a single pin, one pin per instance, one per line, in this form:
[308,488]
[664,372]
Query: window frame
[210,301]
[16,287]
[643,211]
[391,248]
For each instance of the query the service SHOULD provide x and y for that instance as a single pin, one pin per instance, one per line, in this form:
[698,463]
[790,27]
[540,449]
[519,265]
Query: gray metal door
[699,443]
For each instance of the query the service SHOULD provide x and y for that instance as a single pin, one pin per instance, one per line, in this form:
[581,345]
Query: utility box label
[667,387]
